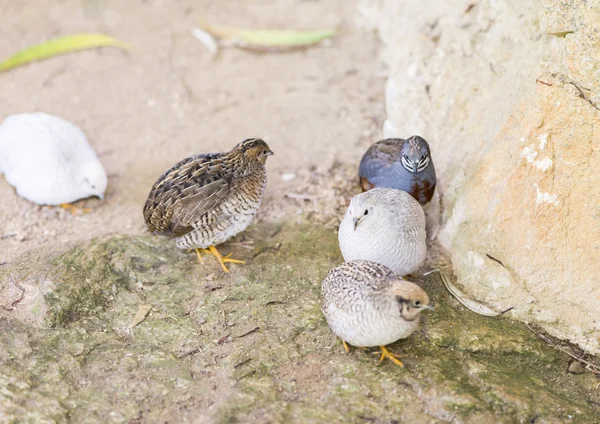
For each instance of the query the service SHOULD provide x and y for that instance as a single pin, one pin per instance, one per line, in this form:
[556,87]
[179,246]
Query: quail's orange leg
[200,259]
[222,259]
[387,354]
[74,209]
[347,346]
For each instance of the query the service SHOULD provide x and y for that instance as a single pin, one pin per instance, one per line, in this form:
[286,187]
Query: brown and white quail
[366,305]
[206,199]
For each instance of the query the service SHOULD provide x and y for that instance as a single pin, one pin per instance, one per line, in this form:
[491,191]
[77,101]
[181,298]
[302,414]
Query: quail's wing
[378,157]
[340,296]
[46,143]
[200,200]
[347,287]
[185,193]
[408,213]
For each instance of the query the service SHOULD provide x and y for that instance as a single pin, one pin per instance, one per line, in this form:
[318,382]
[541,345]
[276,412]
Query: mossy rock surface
[252,345]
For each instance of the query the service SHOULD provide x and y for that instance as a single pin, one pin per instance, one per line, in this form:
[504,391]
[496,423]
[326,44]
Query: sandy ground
[143,111]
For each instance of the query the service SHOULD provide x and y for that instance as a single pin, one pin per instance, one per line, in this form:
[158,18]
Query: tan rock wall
[506,94]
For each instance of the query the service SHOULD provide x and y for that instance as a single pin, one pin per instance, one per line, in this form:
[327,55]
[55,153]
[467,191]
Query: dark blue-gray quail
[206,199]
[401,164]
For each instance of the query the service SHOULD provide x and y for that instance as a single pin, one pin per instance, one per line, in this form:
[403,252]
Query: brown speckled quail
[208,198]
[366,305]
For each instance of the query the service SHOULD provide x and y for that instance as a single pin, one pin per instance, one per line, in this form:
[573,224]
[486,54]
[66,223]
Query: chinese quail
[402,164]
[206,199]
[49,160]
[384,225]
[366,305]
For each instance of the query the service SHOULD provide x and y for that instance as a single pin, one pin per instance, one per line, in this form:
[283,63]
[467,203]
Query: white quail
[49,160]
[385,225]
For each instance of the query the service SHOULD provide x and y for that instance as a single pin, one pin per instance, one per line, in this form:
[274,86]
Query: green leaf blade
[60,46]
[268,38]
[284,38]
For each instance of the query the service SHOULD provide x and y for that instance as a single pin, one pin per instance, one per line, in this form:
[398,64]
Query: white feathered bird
[49,160]
[386,226]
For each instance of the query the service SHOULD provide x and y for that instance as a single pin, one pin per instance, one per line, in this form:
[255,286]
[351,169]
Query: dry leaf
[474,306]
[143,310]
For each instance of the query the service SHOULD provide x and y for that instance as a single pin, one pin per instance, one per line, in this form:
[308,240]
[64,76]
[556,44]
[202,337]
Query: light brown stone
[506,95]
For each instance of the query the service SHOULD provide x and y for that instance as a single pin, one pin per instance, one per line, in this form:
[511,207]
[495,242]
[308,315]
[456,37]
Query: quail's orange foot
[220,258]
[387,354]
[74,209]
[199,254]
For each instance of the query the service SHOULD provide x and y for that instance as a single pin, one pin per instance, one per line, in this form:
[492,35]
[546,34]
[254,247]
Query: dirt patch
[167,99]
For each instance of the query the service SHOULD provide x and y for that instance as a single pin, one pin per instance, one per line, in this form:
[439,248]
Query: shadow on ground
[252,346]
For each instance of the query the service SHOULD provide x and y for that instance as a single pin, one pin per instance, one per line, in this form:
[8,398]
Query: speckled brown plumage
[206,199]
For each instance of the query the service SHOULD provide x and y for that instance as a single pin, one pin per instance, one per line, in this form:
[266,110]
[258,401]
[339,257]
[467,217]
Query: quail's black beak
[269,152]
[415,167]
[355,220]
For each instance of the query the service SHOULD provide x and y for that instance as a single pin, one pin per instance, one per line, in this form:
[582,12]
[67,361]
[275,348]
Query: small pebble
[576,367]
[288,177]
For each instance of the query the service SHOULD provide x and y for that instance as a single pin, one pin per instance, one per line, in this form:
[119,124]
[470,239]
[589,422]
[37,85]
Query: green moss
[199,353]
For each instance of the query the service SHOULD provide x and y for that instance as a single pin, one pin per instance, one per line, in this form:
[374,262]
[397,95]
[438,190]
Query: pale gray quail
[385,225]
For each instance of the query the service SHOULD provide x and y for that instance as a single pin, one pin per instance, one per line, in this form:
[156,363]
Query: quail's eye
[366,211]
[418,303]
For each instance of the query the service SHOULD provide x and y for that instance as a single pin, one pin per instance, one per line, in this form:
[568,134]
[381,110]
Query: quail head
[384,225]
[366,305]
[402,164]
[206,199]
